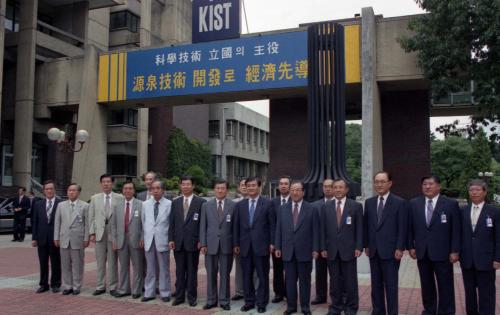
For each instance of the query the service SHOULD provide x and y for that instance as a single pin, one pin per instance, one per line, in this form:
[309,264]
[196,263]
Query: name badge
[443,218]
[79,218]
[489,222]
[136,213]
[228,218]
[195,217]
[348,220]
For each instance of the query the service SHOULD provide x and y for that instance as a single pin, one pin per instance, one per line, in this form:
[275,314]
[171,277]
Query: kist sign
[215,20]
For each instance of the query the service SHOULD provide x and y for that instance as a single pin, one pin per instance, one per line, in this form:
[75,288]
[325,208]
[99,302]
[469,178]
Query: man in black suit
[297,241]
[20,204]
[342,244]
[184,240]
[254,227]
[320,263]
[386,228]
[480,250]
[42,226]
[278,273]
[434,240]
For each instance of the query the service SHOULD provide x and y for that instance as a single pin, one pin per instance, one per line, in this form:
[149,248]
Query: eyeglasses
[380,182]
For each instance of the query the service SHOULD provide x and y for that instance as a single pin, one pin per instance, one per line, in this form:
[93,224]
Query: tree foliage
[353,151]
[458,43]
[480,158]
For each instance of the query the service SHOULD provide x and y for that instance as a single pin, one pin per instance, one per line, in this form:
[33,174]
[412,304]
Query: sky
[267,15]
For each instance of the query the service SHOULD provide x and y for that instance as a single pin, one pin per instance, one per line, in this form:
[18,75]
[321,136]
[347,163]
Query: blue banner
[244,64]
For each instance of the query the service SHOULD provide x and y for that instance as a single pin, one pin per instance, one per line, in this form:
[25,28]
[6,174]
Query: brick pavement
[19,279]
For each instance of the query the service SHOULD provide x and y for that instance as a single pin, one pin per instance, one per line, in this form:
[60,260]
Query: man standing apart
[297,241]
[480,250]
[20,204]
[434,240]
[216,242]
[184,239]
[126,228]
[71,234]
[156,214]
[254,228]
[42,225]
[342,244]
[386,228]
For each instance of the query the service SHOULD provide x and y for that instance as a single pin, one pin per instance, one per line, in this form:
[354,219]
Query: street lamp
[486,176]
[68,145]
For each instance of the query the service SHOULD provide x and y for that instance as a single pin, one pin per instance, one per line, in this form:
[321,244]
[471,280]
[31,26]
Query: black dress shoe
[306,313]
[76,292]
[261,309]
[98,292]
[226,307]
[166,299]
[237,297]
[136,296]
[209,306]
[120,295]
[42,289]
[146,299]
[21,240]
[277,299]
[14,240]
[288,312]
[67,292]
[247,307]
[318,301]
[177,302]
[113,292]
[193,303]
[56,289]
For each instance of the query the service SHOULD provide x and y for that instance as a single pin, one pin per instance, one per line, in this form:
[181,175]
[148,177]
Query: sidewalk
[19,279]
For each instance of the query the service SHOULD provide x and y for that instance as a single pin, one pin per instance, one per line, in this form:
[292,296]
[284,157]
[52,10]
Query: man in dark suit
[480,250]
[342,244]
[297,241]
[434,240]
[278,273]
[42,225]
[183,236]
[20,204]
[320,263]
[386,228]
[254,227]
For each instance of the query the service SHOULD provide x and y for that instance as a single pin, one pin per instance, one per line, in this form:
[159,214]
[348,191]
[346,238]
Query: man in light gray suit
[71,234]
[100,214]
[155,223]
[216,242]
[126,227]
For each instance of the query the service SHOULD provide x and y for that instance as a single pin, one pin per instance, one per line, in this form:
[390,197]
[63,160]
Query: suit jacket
[276,208]
[482,246]
[42,230]
[24,204]
[391,232]
[259,235]
[71,225]
[142,195]
[98,216]
[156,229]
[217,232]
[345,239]
[442,237]
[302,239]
[186,232]
[134,235]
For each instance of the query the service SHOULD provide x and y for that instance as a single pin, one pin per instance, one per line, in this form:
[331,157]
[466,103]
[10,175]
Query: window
[267,140]
[125,117]
[11,21]
[123,20]
[249,134]
[122,165]
[241,168]
[242,133]
[262,138]
[213,129]
[255,136]
[230,128]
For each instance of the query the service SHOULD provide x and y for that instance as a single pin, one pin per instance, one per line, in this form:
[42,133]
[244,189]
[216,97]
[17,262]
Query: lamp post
[486,176]
[223,160]
[68,144]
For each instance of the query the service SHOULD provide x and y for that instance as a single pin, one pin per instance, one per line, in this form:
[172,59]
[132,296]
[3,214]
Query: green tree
[353,151]
[479,160]
[457,43]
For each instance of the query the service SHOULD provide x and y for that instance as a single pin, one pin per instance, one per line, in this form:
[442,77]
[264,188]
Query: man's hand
[271,249]
[453,257]
[34,243]
[86,244]
[171,245]
[198,245]
[236,250]
[203,250]
[92,238]
[114,246]
[57,243]
[141,243]
[398,254]
[496,265]
[367,252]
[357,253]
[413,253]
[277,253]
[315,255]
[324,254]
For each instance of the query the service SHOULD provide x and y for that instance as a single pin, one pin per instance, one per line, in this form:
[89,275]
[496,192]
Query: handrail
[57,30]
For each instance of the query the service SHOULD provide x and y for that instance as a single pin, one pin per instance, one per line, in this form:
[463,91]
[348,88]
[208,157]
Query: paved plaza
[19,280]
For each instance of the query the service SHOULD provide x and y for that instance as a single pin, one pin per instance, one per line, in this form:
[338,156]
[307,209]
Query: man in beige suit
[101,214]
[126,227]
[71,234]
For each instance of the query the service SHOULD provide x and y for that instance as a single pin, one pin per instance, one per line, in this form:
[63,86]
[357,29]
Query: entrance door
[7,157]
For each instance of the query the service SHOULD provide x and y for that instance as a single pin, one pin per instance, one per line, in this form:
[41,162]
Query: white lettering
[202,21]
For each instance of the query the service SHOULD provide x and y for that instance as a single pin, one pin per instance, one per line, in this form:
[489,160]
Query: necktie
[157,205]
[339,212]
[475,215]
[220,211]
[430,211]
[185,207]
[295,214]
[252,211]
[107,207]
[380,208]
[127,216]
[283,201]
[49,210]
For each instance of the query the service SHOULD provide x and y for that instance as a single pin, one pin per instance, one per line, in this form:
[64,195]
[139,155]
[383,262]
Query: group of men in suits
[332,231]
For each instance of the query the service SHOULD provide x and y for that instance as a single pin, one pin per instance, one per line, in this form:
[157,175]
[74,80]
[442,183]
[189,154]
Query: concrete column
[3,4]
[371,155]
[25,93]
